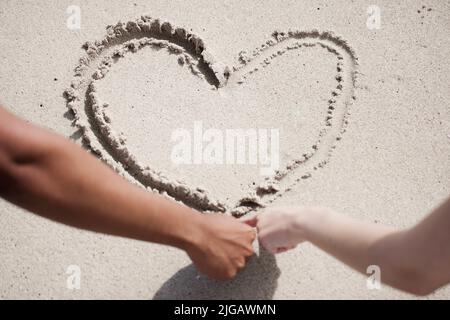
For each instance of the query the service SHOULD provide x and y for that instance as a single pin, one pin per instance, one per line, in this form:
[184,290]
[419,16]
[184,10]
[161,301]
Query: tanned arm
[54,178]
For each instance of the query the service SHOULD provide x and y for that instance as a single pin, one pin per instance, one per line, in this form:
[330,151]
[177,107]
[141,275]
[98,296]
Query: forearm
[68,185]
[360,245]
[54,178]
[348,240]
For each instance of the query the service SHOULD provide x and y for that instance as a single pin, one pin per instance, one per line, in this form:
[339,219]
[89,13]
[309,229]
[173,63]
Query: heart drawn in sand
[92,114]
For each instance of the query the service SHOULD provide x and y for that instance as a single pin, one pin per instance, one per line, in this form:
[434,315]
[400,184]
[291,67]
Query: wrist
[191,235]
[307,221]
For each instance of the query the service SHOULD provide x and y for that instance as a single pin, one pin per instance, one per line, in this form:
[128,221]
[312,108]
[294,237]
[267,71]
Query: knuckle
[231,274]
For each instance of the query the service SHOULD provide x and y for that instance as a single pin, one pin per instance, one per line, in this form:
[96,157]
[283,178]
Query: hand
[283,228]
[222,247]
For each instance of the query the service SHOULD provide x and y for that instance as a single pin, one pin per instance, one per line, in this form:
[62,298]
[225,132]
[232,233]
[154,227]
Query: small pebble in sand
[306,176]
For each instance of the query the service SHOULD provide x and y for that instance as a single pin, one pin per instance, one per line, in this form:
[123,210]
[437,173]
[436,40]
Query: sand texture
[362,118]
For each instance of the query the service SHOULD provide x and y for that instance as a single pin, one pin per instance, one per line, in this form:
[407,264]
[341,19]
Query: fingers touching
[274,226]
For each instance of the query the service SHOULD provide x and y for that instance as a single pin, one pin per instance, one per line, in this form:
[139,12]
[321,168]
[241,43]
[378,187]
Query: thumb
[250,220]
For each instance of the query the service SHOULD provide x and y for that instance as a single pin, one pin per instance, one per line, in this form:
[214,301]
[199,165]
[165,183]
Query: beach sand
[361,114]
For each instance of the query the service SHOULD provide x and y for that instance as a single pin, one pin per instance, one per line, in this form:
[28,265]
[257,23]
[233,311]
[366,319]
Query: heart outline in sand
[123,38]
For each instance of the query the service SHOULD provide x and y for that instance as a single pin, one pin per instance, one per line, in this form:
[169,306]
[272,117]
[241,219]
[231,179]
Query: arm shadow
[257,281]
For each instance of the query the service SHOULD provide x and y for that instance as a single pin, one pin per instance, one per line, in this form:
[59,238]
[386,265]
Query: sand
[361,116]
[96,118]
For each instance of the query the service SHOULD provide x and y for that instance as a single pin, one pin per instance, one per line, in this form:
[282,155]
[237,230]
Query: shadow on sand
[257,281]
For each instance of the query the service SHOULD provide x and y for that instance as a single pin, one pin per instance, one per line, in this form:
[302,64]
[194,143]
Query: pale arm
[416,260]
